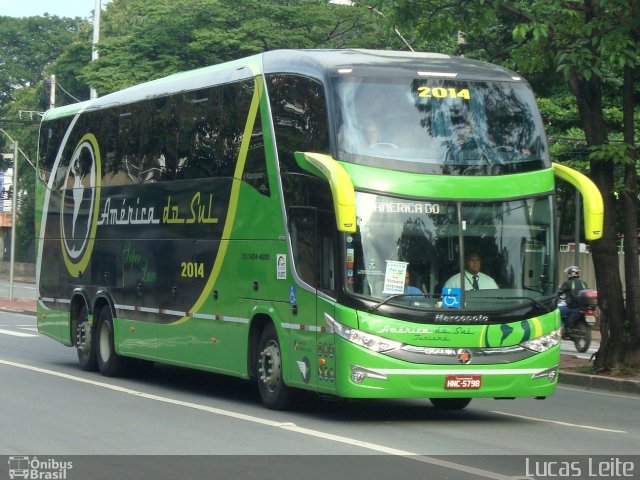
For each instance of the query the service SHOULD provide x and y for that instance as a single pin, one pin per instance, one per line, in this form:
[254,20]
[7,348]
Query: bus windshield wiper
[397,295]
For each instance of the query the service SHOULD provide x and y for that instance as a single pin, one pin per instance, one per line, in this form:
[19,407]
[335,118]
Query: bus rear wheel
[450,403]
[273,391]
[110,363]
[85,342]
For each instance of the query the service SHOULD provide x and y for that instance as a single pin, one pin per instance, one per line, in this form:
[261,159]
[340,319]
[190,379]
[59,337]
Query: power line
[64,91]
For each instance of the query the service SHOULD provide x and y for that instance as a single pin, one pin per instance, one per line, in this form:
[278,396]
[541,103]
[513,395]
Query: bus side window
[212,124]
[327,238]
[299,111]
[50,138]
[255,168]
[302,227]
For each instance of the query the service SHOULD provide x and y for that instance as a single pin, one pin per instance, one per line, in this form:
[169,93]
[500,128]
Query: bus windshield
[440,126]
[425,254]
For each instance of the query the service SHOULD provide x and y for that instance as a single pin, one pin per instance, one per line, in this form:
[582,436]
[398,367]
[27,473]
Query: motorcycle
[577,327]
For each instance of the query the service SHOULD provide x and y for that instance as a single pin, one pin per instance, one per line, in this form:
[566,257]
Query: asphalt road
[53,409]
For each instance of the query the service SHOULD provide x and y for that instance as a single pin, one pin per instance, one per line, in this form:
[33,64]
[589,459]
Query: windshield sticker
[394,277]
[350,262]
[441,92]
[451,297]
[281,263]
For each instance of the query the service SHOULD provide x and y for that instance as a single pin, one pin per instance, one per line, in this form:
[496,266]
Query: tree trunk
[605,254]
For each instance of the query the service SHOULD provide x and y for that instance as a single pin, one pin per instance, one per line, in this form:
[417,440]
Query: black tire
[450,403]
[273,391]
[86,341]
[581,336]
[110,363]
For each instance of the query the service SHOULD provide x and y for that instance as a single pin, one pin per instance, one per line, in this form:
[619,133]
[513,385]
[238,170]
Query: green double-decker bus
[364,224]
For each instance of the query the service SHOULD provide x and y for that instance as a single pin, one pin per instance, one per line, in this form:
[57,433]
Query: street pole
[13,218]
[96,38]
[52,92]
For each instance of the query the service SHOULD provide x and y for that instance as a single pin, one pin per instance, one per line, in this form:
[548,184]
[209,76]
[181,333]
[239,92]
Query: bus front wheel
[450,403]
[274,393]
[85,342]
[109,362]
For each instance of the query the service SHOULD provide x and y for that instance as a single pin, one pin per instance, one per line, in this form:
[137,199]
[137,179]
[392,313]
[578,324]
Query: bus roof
[315,63]
[383,63]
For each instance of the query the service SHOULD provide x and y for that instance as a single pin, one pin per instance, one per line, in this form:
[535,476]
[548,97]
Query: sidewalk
[570,375]
[18,305]
[568,363]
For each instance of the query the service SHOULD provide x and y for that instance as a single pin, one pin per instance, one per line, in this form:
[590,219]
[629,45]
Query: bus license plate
[463,382]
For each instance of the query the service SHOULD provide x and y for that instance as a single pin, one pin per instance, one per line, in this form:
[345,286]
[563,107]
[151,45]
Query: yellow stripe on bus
[233,199]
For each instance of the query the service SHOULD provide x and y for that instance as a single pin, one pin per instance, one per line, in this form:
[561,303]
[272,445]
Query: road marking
[557,422]
[17,334]
[271,423]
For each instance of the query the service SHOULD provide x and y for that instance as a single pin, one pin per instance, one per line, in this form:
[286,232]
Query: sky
[61,8]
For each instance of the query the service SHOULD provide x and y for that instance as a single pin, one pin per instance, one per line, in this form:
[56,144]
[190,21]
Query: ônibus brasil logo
[79,208]
[35,469]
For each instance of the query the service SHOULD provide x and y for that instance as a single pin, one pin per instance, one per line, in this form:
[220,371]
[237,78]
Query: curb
[25,311]
[597,382]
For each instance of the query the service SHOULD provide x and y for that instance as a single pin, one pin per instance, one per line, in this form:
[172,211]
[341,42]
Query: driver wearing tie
[474,279]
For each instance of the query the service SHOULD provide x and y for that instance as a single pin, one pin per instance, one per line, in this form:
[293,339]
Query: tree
[591,43]
[27,46]
[148,39]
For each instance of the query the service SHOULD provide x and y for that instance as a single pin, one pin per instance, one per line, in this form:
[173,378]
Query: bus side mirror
[342,191]
[593,208]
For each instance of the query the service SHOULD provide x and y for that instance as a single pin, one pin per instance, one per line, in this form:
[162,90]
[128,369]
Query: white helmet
[572,271]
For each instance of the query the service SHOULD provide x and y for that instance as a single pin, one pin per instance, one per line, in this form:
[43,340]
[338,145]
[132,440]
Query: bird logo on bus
[79,204]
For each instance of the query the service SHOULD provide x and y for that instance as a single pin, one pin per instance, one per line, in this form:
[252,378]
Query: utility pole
[96,38]
[52,92]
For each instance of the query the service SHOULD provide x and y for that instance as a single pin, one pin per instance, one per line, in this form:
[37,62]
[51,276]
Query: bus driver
[474,279]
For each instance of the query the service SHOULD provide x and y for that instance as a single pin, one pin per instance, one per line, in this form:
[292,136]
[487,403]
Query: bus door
[314,243]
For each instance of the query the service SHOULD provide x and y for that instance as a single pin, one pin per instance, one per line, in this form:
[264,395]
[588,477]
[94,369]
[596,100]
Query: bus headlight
[545,342]
[366,340]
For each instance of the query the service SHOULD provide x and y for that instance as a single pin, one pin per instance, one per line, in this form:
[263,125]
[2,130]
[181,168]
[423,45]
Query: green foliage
[27,46]
[148,39]
[610,152]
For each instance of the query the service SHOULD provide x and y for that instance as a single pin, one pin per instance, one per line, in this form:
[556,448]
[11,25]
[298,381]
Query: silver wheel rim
[83,337]
[105,350]
[270,366]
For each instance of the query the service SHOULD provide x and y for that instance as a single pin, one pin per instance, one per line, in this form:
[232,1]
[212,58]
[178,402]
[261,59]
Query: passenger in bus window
[409,288]
[474,279]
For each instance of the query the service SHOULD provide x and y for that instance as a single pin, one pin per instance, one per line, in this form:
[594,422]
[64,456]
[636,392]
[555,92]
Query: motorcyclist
[568,303]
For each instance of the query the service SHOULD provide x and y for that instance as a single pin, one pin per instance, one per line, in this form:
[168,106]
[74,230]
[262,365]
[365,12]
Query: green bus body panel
[65,111]
[189,293]
[459,336]
[449,187]
[55,324]
[428,381]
